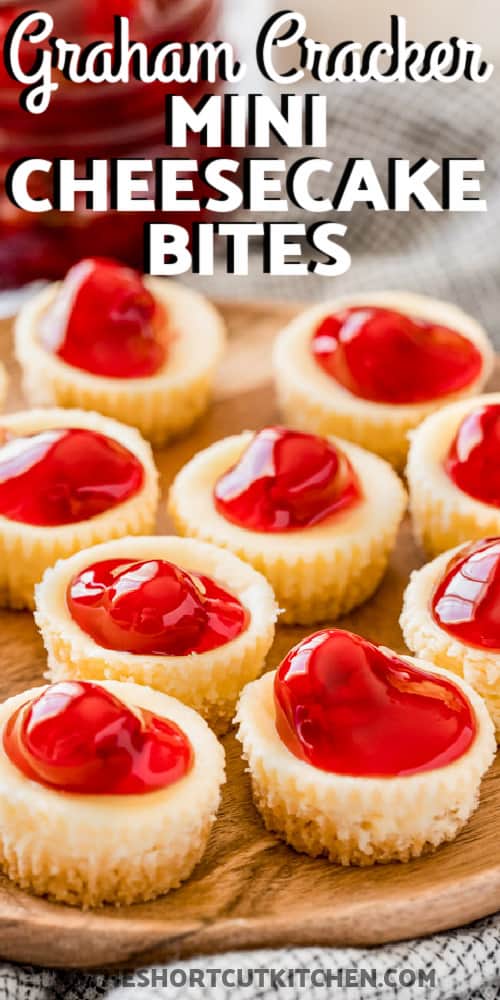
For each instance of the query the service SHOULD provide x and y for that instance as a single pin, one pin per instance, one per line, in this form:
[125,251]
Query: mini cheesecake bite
[370,368]
[179,615]
[142,350]
[67,479]
[81,762]
[361,755]
[453,474]
[318,517]
[451,613]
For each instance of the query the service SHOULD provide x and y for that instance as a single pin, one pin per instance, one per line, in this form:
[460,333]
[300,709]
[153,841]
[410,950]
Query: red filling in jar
[350,707]
[286,480]
[78,737]
[154,608]
[385,356]
[93,121]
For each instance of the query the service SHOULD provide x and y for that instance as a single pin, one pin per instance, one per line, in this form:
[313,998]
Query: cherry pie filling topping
[78,737]
[383,356]
[472,462]
[65,475]
[347,706]
[286,480]
[466,602]
[154,608]
[105,321]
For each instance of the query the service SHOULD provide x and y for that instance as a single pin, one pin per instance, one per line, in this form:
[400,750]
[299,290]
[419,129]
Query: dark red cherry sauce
[65,475]
[154,608]
[286,480]
[473,461]
[386,357]
[105,321]
[347,706]
[466,602]
[78,737]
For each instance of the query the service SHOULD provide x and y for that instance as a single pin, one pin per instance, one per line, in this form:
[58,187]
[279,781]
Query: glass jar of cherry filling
[91,120]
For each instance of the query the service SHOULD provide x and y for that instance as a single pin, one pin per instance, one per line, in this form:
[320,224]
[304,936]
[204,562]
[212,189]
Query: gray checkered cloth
[465,965]
[452,256]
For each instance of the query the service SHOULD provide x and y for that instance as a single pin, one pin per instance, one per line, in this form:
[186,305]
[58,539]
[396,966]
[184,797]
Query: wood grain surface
[251,890]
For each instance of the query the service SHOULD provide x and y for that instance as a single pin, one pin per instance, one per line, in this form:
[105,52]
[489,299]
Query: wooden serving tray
[251,890]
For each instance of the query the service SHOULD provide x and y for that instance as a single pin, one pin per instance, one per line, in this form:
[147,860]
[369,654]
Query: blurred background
[427,19]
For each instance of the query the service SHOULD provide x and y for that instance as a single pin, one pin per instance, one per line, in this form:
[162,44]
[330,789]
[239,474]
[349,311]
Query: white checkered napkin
[464,964]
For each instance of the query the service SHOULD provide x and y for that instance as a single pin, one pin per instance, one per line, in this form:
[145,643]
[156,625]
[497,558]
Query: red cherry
[65,475]
[105,321]
[386,357]
[78,737]
[473,459]
[286,480]
[466,602]
[347,706]
[153,608]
